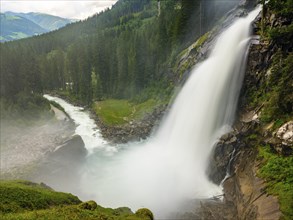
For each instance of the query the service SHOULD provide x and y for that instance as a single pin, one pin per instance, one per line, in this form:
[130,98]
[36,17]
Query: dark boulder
[222,156]
[72,150]
[61,168]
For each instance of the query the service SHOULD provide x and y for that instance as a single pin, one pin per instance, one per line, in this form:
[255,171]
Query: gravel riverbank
[23,145]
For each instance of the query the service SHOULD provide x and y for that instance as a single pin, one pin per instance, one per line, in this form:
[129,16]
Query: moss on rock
[145,213]
[90,205]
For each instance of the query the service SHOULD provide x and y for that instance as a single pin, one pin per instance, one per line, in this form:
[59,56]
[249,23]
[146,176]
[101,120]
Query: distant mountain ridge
[15,26]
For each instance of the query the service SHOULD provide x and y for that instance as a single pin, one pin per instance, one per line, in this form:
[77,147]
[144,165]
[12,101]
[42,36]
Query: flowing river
[169,169]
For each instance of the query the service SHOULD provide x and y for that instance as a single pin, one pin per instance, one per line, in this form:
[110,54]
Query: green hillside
[46,21]
[16,26]
[121,63]
[26,200]
[126,52]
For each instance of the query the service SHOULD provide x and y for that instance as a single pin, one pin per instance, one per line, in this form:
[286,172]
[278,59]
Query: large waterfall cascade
[170,167]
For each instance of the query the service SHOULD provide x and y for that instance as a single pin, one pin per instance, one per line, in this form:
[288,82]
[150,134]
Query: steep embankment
[257,154]
[260,147]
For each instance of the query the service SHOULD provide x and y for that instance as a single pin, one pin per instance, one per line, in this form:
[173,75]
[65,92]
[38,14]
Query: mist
[168,170]
[24,145]
[161,173]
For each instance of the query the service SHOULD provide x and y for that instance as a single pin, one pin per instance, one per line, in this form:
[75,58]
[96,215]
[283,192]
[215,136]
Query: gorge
[210,156]
[173,162]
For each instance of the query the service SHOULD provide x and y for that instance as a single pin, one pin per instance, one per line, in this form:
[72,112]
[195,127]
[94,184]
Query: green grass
[26,200]
[73,212]
[113,111]
[17,196]
[278,174]
[144,108]
[121,111]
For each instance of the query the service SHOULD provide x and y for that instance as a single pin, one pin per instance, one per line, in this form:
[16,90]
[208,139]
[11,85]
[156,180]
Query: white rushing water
[85,126]
[170,168]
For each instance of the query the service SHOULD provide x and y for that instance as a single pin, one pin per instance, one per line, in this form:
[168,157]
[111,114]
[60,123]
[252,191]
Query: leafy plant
[278,173]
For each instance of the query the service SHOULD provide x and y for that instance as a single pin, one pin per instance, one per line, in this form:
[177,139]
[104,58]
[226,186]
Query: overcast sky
[68,9]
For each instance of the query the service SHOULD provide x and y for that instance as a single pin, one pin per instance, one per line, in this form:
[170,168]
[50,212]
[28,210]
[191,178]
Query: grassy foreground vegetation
[277,171]
[17,196]
[26,200]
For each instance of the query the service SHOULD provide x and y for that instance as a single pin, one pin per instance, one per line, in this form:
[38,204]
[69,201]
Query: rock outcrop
[133,131]
[71,150]
[265,108]
[223,156]
[245,195]
[263,120]
[63,164]
[282,139]
[245,191]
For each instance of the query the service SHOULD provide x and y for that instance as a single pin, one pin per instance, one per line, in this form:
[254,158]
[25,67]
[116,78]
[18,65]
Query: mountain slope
[119,53]
[16,26]
[46,21]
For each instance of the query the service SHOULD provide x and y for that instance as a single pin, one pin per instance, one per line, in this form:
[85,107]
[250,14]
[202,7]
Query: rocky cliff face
[264,119]
[265,109]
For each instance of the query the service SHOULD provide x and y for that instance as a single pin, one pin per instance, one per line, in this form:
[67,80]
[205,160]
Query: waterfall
[170,168]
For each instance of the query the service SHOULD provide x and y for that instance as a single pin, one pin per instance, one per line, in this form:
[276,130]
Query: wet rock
[222,156]
[72,150]
[250,116]
[215,210]
[249,4]
[64,165]
[246,192]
